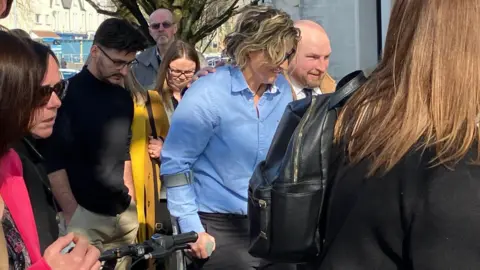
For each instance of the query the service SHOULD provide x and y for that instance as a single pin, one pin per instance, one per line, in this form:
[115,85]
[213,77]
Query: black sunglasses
[165,25]
[60,89]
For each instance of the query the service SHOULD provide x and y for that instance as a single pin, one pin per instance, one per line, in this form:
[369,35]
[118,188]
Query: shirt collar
[298,89]
[239,83]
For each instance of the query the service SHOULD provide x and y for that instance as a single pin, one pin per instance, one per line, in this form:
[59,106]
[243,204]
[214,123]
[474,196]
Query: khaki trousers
[106,232]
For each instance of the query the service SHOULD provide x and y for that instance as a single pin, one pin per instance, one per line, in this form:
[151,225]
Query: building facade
[356,29]
[67,26]
[60,16]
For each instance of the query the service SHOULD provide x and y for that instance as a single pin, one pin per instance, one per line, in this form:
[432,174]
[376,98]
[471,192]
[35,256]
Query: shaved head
[162,28]
[163,13]
[308,25]
[311,61]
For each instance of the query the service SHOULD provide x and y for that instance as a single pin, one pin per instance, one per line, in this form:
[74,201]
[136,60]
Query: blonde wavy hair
[424,93]
[262,28]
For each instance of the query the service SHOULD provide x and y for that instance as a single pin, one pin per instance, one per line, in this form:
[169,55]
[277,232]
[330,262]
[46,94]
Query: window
[66,25]
[83,21]
[47,19]
[74,21]
[37,18]
[56,20]
[90,22]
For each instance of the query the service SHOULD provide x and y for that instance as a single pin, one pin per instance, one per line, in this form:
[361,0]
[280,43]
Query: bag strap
[348,85]
[151,119]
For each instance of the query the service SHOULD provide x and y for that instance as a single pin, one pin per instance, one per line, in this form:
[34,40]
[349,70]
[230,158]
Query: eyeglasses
[178,73]
[60,89]
[119,64]
[289,55]
[156,26]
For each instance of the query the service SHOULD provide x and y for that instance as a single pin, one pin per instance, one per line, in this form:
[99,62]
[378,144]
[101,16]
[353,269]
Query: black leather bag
[286,190]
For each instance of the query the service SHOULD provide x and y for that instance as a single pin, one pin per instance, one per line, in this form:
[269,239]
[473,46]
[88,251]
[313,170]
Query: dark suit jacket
[41,197]
[414,217]
[146,69]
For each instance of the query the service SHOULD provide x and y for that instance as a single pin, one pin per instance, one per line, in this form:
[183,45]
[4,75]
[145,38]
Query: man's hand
[82,256]
[154,147]
[205,71]
[198,249]
[202,72]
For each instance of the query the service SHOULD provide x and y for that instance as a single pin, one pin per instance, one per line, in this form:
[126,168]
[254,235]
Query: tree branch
[147,6]
[209,42]
[101,10]
[197,18]
[193,16]
[134,9]
[214,23]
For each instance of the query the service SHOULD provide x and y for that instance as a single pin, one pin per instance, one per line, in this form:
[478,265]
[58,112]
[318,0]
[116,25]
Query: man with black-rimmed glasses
[88,153]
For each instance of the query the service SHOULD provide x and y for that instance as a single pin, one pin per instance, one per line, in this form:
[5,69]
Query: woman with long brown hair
[28,86]
[405,194]
[153,109]
[180,63]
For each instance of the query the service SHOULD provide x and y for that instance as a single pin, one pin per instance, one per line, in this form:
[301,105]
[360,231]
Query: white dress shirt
[301,94]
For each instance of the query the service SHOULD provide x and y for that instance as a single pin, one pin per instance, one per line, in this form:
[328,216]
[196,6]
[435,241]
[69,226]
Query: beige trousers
[106,232]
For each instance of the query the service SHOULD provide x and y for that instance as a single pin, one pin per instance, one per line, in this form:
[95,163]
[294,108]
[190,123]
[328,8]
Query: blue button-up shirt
[216,133]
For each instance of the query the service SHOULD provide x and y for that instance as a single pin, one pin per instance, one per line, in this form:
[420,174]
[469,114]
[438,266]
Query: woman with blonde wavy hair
[221,130]
[406,190]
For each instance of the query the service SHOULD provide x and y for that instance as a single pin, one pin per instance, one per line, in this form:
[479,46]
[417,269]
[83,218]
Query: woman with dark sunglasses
[41,126]
[30,92]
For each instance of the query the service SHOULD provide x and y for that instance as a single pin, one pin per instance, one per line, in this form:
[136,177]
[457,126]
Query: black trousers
[266,265]
[232,241]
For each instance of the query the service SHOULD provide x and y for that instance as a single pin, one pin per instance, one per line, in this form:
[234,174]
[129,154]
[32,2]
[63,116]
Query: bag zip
[298,141]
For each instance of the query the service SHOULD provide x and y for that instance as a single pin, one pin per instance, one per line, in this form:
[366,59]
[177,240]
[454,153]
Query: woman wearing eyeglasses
[176,72]
[30,92]
[150,126]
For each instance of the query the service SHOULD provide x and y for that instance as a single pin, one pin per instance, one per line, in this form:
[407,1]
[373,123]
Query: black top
[414,217]
[174,102]
[91,140]
[41,197]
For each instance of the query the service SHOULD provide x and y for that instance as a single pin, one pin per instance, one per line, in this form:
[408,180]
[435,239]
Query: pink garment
[15,194]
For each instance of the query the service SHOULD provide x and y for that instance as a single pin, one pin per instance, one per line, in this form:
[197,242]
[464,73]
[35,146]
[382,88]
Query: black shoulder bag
[286,190]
